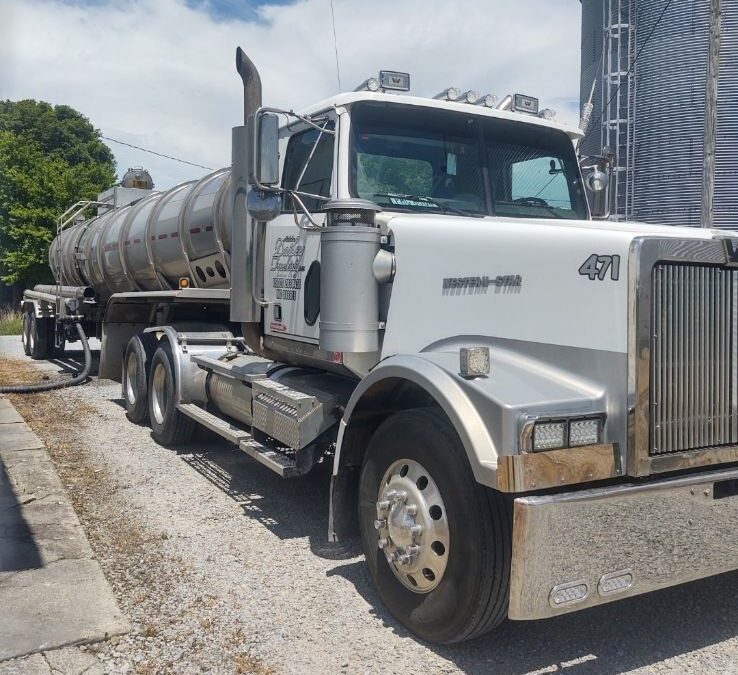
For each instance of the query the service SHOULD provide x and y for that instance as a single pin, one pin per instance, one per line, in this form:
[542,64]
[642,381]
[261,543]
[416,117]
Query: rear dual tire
[168,425]
[38,335]
[464,593]
[136,365]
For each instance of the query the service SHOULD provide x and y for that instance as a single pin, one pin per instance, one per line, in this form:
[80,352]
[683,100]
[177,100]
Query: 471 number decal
[599,266]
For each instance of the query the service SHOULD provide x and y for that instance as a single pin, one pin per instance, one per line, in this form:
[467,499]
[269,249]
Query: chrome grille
[693,358]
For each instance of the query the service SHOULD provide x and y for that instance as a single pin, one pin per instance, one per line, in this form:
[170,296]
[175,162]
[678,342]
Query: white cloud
[160,74]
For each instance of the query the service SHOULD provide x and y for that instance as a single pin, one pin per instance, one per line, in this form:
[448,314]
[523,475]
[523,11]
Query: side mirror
[264,172]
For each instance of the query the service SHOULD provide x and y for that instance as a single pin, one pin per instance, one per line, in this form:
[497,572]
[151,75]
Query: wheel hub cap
[412,526]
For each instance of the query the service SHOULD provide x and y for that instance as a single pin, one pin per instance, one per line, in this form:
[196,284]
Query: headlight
[559,434]
[549,435]
[584,432]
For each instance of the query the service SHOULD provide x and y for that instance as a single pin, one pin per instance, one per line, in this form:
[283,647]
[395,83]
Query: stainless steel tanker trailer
[527,411]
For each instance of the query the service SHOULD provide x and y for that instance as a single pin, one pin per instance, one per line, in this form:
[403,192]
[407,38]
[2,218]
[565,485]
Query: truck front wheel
[168,425]
[438,544]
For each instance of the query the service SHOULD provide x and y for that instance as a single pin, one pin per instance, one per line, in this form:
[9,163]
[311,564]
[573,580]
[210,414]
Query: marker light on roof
[488,100]
[547,114]
[470,96]
[370,84]
[450,94]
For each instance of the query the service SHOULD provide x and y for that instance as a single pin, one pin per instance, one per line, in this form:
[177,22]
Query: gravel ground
[223,567]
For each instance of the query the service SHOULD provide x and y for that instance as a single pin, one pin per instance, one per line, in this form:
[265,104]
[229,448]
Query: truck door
[292,258]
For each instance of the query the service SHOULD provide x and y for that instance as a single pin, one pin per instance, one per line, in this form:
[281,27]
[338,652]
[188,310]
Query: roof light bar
[449,94]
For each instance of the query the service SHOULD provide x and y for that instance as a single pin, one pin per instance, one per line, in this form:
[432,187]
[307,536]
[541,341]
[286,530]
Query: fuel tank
[152,243]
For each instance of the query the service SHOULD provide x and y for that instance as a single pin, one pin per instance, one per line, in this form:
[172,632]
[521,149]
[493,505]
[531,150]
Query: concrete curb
[53,592]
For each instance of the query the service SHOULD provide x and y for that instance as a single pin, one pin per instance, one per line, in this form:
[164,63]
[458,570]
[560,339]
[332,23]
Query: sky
[161,73]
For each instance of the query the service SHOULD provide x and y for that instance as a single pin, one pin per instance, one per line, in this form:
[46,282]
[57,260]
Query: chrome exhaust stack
[244,308]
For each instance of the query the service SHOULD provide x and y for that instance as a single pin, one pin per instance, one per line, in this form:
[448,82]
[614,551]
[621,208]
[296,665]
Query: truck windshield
[418,159]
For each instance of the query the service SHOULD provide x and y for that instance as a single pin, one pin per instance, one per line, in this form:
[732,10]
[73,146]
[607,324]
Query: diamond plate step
[277,462]
[229,431]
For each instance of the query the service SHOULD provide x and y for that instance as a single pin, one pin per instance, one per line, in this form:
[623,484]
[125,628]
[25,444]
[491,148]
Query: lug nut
[412,550]
[379,524]
[390,494]
[382,543]
[416,530]
[383,506]
[404,559]
[411,510]
[391,556]
[400,496]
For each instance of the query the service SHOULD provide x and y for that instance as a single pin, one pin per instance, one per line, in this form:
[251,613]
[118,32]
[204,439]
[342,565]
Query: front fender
[488,412]
[446,389]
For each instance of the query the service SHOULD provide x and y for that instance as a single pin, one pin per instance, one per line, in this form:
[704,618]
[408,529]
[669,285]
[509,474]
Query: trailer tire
[38,342]
[467,594]
[26,332]
[168,425]
[135,376]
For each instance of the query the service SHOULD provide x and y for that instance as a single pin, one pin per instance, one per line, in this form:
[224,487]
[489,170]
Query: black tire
[168,425]
[473,594]
[135,381]
[26,332]
[38,343]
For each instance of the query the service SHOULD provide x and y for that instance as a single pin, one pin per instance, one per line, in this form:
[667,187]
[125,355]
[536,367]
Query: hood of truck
[513,280]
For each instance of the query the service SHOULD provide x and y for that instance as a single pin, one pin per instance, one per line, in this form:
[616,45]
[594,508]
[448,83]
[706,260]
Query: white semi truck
[527,411]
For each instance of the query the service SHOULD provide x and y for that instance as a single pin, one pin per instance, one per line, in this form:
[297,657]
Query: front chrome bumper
[580,549]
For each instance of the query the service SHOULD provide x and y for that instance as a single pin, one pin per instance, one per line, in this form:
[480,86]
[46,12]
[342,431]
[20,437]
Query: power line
[635,59]
[335,46]
[158,154]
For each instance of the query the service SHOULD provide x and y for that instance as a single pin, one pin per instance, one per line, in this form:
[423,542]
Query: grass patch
[10,321]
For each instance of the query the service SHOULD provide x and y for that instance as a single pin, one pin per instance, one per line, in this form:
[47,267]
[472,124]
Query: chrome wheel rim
[31,339]
[159,392]
[412,526]
[131,377]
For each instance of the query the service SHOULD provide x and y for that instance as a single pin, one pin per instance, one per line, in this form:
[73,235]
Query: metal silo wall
[592,22]
[725,203]
[668,120]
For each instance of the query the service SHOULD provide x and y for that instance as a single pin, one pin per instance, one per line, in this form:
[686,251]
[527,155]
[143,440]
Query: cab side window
[304,173]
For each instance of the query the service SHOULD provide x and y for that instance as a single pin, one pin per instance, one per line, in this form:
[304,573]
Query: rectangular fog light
[549,435]
[584,432]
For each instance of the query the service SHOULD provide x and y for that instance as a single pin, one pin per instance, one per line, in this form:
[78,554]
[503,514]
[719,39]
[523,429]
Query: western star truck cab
[527,411]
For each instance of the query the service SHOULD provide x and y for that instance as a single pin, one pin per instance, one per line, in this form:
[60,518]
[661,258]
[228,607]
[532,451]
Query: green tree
[50,157]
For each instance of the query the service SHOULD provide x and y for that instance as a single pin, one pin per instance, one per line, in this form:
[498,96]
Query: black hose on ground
[50,386]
